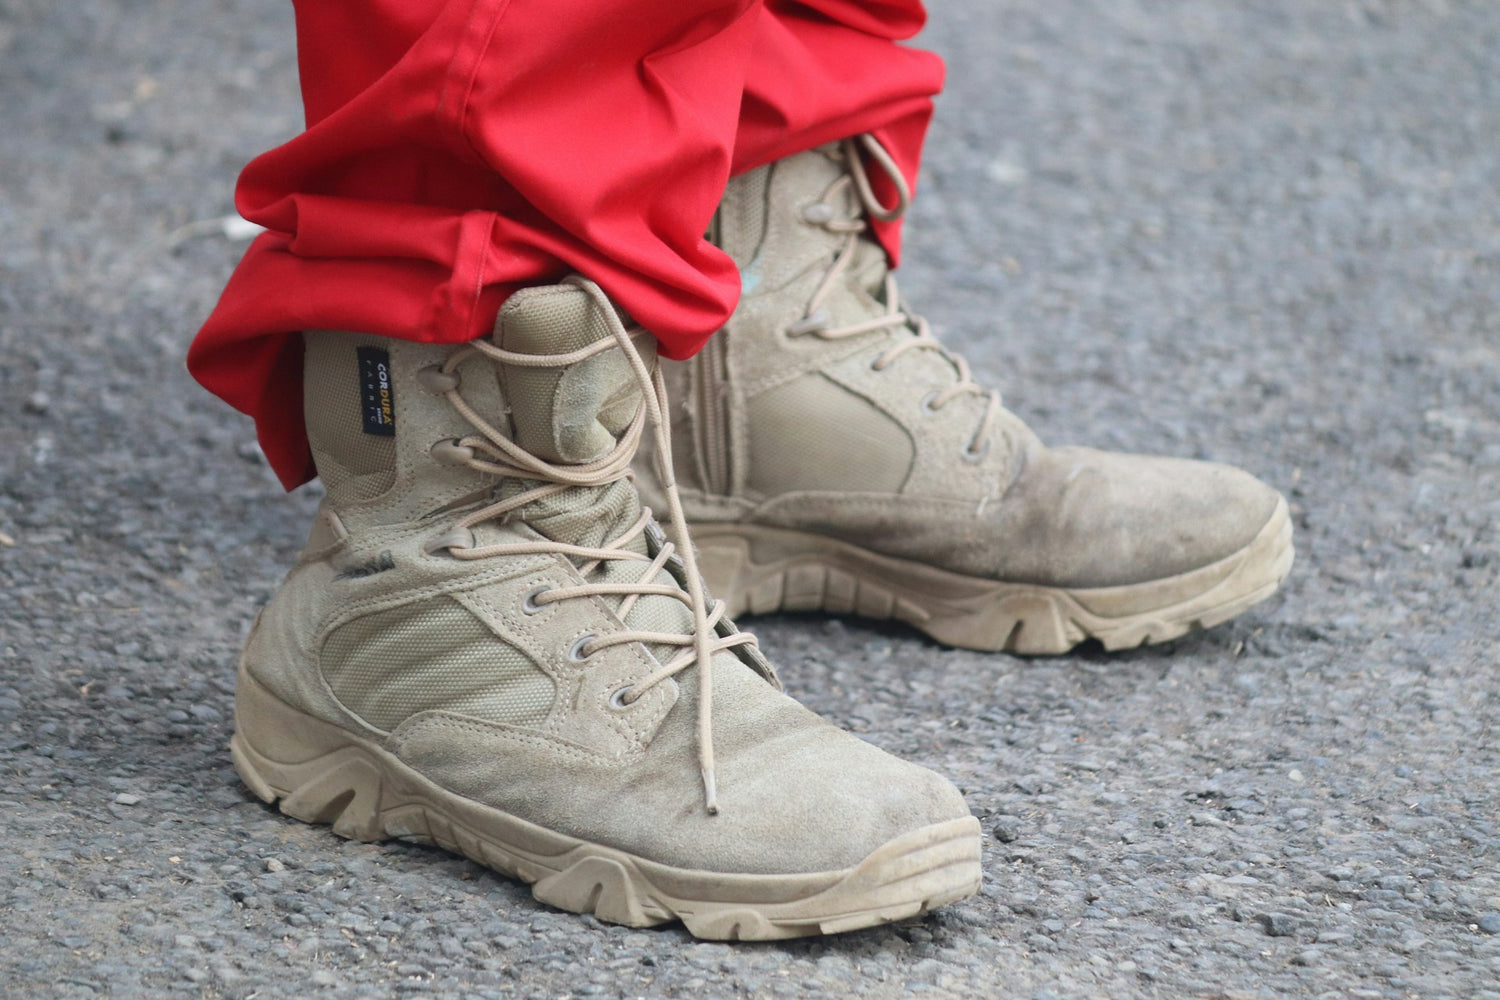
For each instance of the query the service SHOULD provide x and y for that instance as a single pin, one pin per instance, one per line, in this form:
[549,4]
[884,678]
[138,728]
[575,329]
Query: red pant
[459,149]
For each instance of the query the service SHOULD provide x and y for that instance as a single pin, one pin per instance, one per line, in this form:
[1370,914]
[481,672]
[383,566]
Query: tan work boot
[488,645]
[837,458]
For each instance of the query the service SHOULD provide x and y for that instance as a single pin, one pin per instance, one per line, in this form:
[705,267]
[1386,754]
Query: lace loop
[815,322]
[887,164]
[454,541]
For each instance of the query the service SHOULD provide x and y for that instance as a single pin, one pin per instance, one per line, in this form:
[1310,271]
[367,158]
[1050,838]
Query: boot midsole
[761,569]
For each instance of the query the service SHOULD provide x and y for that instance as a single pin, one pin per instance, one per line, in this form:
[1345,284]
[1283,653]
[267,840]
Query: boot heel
[317,772]
[725,565]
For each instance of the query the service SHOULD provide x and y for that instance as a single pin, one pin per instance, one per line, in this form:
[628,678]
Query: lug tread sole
[761,570]
[317,772]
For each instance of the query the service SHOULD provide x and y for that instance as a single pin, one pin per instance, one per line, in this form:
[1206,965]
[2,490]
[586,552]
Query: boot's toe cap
[796,794]
[1101,519]
[839,801]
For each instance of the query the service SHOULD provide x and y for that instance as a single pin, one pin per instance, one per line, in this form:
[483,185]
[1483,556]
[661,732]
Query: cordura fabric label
[377,397]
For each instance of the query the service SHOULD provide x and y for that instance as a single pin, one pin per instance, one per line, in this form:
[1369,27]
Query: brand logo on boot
[377,396]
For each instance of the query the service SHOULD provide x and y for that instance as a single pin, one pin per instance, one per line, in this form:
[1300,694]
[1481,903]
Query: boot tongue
[567,413]
[584,515]
[592,516]
[572,414]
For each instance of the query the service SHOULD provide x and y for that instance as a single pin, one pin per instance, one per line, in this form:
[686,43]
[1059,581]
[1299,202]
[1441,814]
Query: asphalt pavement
[1262,232]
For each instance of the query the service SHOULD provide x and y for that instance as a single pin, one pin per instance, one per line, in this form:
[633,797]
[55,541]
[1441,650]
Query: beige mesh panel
[661,614]
[857,446]
[392,664]
[582,516]
[549,406]
[592,517]
[353,465]
[554,420]
[556,324]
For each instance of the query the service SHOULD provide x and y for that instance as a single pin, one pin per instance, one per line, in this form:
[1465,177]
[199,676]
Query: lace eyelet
[970,455]
[529,605]
[617,699]
[576,654]
[436,381]
[927,408]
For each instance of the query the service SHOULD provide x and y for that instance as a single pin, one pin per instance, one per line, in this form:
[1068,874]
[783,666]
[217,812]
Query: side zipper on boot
[711,416]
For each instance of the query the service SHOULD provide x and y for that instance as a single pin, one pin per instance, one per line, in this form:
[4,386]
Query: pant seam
[463,69]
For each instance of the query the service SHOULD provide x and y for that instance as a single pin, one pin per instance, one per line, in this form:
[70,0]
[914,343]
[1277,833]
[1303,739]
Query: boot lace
[816,320]
[493,453]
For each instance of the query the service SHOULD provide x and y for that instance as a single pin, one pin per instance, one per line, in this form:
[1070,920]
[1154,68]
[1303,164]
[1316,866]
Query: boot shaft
[798,229]
[384,428]
[374,414]
[774,222]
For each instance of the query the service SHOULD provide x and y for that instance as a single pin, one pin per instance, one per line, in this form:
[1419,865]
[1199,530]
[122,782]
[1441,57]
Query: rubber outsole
[320,773]
[759,570]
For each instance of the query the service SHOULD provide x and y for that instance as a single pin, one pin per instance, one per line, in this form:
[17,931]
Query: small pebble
[126,799]
[1184,918]
[1277,924]
[1489,923]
